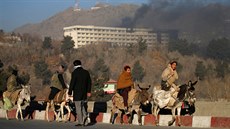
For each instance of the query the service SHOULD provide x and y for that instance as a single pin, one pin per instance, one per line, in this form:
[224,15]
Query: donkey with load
[165,100]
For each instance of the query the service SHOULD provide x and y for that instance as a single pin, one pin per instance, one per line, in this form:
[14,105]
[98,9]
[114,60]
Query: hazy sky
[15,13]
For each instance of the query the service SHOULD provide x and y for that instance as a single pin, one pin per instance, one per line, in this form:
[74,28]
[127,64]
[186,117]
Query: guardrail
[99,113]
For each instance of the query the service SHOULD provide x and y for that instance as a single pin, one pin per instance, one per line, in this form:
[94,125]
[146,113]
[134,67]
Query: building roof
[111,81]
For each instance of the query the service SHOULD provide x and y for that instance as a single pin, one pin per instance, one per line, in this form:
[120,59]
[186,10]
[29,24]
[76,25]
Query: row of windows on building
[90,40]
[107,29]
[107,40]
[111,43]
[81,43]
[116,34]
[114,38]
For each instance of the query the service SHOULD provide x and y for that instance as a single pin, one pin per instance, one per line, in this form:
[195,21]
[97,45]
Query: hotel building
[86,35]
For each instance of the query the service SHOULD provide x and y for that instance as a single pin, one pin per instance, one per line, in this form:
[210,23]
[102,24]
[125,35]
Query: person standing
[80,86]
[124,84]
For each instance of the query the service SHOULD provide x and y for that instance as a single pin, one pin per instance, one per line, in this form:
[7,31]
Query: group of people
[80,85]
[125,82]
[79,88]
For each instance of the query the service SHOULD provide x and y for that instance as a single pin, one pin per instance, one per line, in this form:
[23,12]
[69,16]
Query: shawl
[124,80]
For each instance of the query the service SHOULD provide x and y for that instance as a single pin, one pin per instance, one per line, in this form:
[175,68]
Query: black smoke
[203,19]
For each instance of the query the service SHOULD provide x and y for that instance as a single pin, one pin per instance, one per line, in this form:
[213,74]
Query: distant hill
[200,23]
[53,26]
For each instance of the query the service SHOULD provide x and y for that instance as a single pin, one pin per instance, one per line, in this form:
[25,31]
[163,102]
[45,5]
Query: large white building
[86,35]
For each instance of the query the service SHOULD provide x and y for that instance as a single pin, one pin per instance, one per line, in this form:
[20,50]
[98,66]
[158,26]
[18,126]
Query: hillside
[53,26]
[201,23]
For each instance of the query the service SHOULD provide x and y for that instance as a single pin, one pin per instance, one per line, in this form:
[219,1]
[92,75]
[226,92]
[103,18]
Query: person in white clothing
[169,76]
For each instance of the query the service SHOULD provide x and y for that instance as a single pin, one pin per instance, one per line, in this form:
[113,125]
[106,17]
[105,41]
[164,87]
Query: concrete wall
[205,108]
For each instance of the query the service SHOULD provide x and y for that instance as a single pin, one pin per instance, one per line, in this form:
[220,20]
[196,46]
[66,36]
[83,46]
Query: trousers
[53,92]
[124,93]
[81,111]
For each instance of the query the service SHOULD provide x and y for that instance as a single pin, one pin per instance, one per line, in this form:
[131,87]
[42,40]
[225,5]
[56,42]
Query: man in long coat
[80,85]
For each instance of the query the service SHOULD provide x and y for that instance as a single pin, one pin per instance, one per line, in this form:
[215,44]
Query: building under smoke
[116,36]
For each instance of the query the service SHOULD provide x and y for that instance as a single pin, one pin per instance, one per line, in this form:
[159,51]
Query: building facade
[86,35]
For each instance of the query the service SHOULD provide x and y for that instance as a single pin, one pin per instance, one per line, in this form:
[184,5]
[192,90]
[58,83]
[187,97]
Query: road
[37,124]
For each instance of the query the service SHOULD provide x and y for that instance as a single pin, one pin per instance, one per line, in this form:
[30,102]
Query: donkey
[137,97]
[16,98]
[118,108]
[141,98]
[186,93]
[61,99]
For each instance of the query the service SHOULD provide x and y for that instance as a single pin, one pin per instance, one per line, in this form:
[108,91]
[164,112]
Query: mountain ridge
[200,23]
[53,26]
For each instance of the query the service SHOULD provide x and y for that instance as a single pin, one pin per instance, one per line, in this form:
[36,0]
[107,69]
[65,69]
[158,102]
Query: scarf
[78,66]
[124,80]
